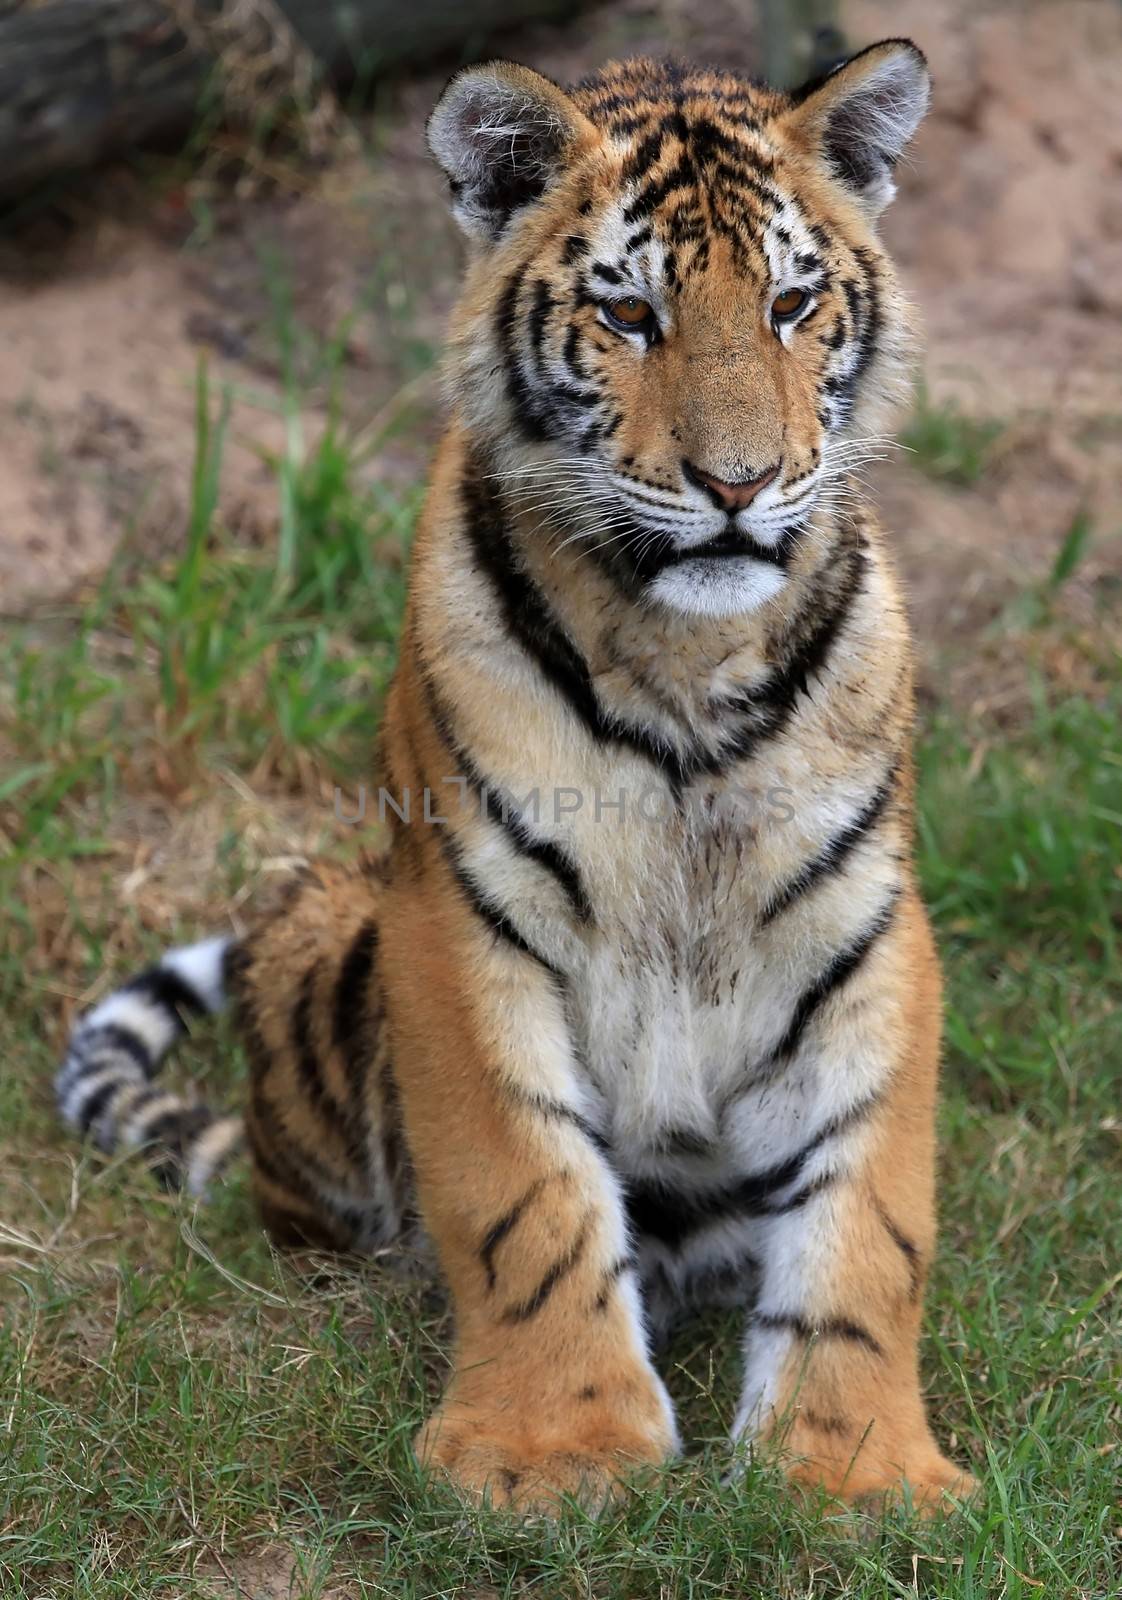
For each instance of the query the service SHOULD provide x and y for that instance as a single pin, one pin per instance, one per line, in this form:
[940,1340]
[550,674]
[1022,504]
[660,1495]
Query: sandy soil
[1008,227]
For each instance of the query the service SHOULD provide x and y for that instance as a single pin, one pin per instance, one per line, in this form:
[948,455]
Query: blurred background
[303,214]
[225,266]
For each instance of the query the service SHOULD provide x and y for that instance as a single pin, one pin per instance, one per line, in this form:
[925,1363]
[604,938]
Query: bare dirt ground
[1008,228]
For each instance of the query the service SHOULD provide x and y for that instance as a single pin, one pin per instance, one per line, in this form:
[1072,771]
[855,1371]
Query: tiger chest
[674,997]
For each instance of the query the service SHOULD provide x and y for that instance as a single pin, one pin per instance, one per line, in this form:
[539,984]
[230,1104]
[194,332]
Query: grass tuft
[1073,548]
[947,444]
[262,660]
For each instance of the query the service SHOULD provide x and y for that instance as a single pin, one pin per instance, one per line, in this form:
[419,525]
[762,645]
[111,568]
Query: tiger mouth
[733,543]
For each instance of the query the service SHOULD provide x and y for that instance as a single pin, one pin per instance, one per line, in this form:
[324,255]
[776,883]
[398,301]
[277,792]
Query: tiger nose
[730,496]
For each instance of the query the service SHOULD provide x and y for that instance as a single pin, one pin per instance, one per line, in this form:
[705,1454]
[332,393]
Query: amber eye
[630,312]
[788,304]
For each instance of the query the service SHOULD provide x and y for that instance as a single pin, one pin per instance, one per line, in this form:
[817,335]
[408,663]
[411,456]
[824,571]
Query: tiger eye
[630,311]
[789,303]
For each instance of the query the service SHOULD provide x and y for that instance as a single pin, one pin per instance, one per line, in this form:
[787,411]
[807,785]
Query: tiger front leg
[552,1392]
[845,1242]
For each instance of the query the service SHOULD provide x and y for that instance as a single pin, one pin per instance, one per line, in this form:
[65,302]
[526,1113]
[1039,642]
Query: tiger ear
[859,117]
[502,134]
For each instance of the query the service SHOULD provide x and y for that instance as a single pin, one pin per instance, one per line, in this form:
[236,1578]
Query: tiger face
[679,328]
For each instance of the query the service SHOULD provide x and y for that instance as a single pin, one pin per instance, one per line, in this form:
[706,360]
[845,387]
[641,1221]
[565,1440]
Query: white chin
[721,586]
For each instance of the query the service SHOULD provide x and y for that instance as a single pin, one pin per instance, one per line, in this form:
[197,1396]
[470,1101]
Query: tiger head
[679,327]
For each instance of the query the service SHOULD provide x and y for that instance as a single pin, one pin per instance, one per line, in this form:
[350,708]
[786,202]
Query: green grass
[255,658]
[178,1403]
[948,444]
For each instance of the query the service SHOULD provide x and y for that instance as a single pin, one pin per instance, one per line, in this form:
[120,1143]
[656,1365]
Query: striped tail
[105,1086]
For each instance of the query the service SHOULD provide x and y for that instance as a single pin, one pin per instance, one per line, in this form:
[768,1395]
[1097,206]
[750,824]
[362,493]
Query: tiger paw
[928,1483]
[489,1461]
[933,1489]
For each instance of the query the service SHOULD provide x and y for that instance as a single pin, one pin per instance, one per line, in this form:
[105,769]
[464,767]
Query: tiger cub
[641,1008]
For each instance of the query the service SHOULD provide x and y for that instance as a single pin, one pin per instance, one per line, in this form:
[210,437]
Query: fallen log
[81,80]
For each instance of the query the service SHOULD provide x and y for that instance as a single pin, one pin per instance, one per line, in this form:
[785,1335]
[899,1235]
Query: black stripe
[167,1137]
[840,969]
[625,127]
[530,621]
[506,1223]
[680,176]
[836,336]
[682,1142]
[282,1170]
[291,1166]
[742,180]
[526,413]
[584,398]
[870,330]
[354,1012]
[493,914]
[309,1066]
[707,140]
[284,1161]
[824,1423]
[608,273]
[801,1197]
[775,701]
[828,1328]
[114,1039]
[170,992]
[609,1279]
[554,860]
[97,1102]
[607,429]
[532,408]
[561,1268]
[671,1215]
[642,158]
[177,1129]
[908,1250]
[834,853]
[544,852]
[811,656]
[539,315]
[569,353]
[558,1111]
[525,611]
[273,1164]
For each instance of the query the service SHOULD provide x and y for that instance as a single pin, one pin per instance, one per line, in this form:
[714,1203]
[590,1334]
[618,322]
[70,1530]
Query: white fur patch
[719,587]
[73,1102]
[149,1023]
[201,967]
[211,1150]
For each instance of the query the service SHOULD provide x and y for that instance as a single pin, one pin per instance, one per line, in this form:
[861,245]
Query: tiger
[638,1011]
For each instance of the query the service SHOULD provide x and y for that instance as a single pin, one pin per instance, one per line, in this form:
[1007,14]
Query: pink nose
[730,496]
